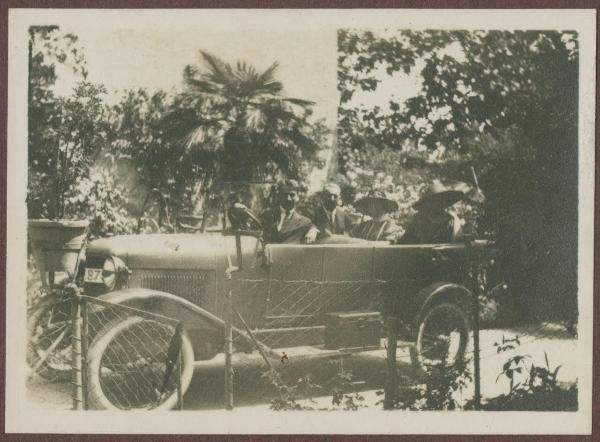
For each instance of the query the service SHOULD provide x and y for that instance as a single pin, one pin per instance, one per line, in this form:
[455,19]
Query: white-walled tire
[127,363]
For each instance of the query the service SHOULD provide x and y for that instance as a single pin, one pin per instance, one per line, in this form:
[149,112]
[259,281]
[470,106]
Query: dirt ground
[206,390]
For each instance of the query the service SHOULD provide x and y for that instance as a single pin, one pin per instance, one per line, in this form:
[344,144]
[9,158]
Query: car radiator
[193,285]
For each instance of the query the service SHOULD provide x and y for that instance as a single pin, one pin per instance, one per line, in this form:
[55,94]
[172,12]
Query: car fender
[165,304]
[439,292]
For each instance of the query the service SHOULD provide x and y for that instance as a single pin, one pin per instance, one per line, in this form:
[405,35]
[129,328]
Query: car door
[348,278]
[295,284]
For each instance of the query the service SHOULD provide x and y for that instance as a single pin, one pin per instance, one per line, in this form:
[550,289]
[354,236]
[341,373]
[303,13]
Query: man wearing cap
[327,214]
[380,226]
[433,223]
[282,223]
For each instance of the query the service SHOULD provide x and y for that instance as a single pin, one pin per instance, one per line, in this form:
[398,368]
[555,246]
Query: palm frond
[218,71]
[268,76]
[198,137]
[202,87]
[272,87]
[301,140]
[255,119]
[299,102]
[245,73]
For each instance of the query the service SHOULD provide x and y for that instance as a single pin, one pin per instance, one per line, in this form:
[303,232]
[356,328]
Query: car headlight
[112,270]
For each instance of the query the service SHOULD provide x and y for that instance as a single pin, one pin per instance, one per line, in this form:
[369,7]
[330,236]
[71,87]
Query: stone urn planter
[57,245]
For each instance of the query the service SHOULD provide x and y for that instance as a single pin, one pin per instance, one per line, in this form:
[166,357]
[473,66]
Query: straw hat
[376,197]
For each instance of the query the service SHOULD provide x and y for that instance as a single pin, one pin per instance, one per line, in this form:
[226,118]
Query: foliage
[145,154]
[236,119]
[64,132]
[229,126]
[35,291]
[100,200]
[531,388]
[298,395]
[231,123]
[503,102]
[441,389]
[287,398]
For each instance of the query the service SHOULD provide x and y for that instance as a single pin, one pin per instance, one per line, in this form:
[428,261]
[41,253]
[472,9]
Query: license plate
[93,275]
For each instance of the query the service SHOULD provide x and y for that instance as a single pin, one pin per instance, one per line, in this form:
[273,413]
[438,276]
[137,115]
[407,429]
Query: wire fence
[125,358]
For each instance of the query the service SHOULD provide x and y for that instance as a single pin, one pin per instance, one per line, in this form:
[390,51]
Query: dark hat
[376,197]
[288,186]
[443,195]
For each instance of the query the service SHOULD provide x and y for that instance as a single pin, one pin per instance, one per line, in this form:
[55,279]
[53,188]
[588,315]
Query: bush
[532,388]
[441,389]
[100,200]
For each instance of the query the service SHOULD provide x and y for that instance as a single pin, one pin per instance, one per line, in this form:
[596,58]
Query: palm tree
[242,121]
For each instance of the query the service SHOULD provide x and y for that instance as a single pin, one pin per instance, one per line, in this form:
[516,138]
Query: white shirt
[284,215]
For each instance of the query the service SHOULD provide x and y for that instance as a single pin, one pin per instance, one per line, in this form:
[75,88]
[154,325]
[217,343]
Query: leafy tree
[99,198]
[230,125]
[64,132]
[504,102]
[144,154]
[239,116]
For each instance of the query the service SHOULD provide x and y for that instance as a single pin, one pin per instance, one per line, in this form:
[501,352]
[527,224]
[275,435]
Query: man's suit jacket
[293,229]
[341,224]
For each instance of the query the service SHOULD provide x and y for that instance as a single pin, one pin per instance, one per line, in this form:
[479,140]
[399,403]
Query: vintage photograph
[342,214]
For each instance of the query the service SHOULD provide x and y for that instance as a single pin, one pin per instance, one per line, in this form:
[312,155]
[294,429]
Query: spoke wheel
[49,339]
[442,336]
[128,366]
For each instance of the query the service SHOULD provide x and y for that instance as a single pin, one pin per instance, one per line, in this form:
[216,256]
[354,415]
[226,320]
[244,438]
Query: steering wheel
[163,212]
[243,219]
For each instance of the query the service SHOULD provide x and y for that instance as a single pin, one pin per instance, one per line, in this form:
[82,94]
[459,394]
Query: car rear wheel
[128,366]
[49,338]
[442,336]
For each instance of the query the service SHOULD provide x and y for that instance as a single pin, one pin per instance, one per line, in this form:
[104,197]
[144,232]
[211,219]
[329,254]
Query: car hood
[169,251]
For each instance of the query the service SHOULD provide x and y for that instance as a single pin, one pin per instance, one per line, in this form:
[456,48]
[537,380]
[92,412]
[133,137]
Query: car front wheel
[129,367]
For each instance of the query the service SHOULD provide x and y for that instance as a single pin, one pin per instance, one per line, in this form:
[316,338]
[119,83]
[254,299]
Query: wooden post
[84,350]
[471,270]
[259,346]
[228,347]
[179,372]
[76,365]
[391,381]
[238,251]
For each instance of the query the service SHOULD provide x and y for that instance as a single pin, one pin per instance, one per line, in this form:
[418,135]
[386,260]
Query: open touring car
[326,297]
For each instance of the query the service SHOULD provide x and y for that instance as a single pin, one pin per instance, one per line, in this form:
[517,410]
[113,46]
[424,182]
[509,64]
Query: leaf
[556,372]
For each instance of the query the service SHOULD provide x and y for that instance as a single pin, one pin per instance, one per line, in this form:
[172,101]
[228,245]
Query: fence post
[179,372]
[391,382]
[84,350]
[76,365]
[472,275]
[229,346]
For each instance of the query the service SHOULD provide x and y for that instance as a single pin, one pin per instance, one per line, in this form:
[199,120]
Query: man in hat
[434,223]
[380,226]
[327,215]
[282,223]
